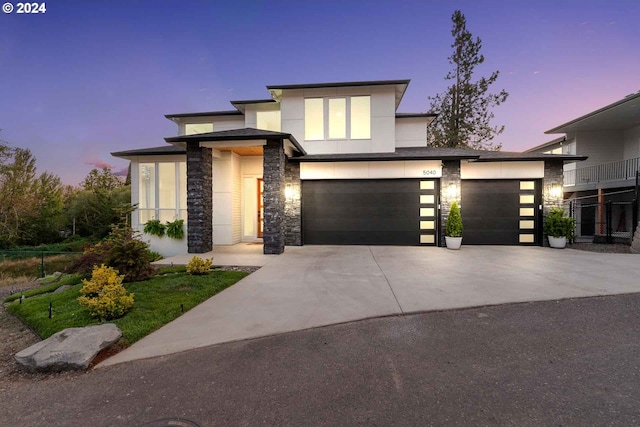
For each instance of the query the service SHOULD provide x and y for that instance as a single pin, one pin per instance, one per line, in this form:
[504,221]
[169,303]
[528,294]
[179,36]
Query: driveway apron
[314,286]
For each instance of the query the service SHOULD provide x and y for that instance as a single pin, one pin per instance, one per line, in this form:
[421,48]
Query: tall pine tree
[465,107]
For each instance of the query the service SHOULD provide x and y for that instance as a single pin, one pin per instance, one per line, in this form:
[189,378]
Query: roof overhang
[237,137]
[180,116]
[400,87]
[620,115]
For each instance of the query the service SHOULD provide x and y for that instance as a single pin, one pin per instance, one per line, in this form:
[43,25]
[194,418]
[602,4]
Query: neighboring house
[333,163]
[610,137]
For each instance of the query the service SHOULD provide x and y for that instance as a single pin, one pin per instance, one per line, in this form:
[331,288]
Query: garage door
[369,212]
[500,212]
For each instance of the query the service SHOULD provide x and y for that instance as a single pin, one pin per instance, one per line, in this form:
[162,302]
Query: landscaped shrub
[175,229]
[558,224]
[199,266]
[155,256]
[154,227]
[454,222]
[104,295]
[123,251]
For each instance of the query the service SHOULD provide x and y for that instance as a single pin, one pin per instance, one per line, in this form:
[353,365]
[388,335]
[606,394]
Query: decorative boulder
[70,349]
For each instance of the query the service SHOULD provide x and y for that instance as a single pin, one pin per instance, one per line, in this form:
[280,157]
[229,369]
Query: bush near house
[453,227]
[558,224]
[199,266]
[104,295]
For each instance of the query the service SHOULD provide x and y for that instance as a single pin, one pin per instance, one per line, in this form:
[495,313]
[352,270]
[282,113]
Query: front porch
[228,205]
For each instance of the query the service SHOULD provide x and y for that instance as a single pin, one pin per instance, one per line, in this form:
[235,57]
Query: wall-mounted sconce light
[555,191]
[291,192]
[452,192]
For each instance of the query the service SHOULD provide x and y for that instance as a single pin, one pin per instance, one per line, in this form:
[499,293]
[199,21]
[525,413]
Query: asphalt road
[571,362]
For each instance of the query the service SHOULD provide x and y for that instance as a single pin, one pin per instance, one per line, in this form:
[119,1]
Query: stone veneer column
[553,176]
[450,175]
[274,161]
[199,199]
[293,206]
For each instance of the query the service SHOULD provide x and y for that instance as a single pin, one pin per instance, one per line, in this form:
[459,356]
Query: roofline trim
[593,113]
[340,84]
[205,114]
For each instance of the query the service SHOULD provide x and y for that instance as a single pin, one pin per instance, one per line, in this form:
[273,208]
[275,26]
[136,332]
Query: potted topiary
[453,228]
[558,227]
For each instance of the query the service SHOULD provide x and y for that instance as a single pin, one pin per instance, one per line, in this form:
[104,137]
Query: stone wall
[450,176]
[274,161]
[199,199]
[293,205]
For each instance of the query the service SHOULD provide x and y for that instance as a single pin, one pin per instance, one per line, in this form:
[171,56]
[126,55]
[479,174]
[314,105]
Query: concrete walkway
[315,286]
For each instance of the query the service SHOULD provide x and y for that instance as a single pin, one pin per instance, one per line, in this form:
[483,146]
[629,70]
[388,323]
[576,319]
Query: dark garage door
[369,212]
[500,212]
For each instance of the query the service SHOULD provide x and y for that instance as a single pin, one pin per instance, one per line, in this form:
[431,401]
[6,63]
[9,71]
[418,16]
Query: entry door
[260,207]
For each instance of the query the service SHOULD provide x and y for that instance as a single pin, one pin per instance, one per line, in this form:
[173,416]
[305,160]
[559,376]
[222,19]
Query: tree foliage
[465,107]
[30,205]
[98,180]
[36,209]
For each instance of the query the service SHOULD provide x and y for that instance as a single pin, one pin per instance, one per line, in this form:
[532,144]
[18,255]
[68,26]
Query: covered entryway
[370,212]
[501,212]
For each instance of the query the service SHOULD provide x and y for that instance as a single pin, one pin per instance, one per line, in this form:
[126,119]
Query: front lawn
[157,302]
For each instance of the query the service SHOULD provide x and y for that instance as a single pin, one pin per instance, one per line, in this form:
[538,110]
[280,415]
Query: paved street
[570,362]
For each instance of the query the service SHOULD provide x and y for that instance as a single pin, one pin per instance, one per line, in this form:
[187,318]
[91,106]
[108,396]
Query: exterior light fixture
[555,191]
[452,192]
[291,192]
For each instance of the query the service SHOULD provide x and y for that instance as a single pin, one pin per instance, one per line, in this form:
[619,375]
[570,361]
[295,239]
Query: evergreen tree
[465,107]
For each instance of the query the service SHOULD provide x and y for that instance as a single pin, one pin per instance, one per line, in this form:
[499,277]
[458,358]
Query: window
[194,128]
[337,118]
[162,191]
[360,117]
[268,120]
[313,119]
[346,118]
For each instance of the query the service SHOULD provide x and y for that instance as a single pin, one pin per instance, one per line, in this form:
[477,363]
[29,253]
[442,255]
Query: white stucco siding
[632,143]
[411,132]
[382,119]
[371,170]
[236,199]
[501,170]
[222,199]
[600,146]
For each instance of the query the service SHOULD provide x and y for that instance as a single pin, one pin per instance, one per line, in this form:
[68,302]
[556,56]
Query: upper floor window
[194,128]
[344,116]
[268,120]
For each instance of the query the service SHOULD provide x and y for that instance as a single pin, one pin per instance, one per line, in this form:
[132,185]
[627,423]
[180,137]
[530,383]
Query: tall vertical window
[162,191]
[360,117]
[337,118]
[346,118]
[314,119]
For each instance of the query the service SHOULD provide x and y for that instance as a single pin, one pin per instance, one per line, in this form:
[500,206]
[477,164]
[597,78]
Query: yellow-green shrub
[198,265]
[104,295]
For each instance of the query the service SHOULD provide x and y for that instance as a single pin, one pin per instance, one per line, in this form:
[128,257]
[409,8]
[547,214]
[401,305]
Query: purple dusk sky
[90,77]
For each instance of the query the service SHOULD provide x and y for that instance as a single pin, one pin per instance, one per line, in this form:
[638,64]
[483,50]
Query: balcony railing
[614,171]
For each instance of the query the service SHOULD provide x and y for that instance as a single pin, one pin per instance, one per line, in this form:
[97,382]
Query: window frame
[327,118]
[179,211]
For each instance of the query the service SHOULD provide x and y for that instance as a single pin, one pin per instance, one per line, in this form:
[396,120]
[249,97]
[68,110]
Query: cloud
[121,172]
[97,163]
[536,72]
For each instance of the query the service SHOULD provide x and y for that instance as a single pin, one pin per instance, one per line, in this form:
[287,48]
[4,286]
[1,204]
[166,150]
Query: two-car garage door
[369,212]
[405,212]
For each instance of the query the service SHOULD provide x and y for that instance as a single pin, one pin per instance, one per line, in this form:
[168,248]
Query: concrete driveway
[313,286]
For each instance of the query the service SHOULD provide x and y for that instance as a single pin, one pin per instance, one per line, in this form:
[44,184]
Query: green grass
[72,279]
[157,302]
